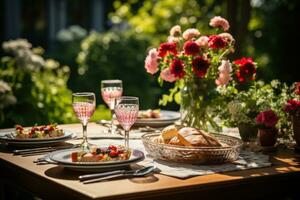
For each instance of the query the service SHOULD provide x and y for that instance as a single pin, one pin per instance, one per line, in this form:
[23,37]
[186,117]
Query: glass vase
[197,99]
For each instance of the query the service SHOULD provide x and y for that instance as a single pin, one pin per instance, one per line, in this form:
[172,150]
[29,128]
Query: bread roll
[169,132]
[175,141]
[192,137]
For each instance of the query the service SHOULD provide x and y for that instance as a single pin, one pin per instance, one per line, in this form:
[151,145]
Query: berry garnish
[113,148]
[19,127]
[113,154]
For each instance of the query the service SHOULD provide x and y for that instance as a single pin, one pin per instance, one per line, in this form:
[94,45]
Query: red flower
[191,48]
[200,66]
[167,47]
[177,68]
[216,42]
[292,106]
[247,69]
[297,88]
[267,119]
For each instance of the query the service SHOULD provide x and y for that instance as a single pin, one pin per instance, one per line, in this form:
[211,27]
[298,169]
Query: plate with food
[97,159]
[156,117]
[191,145]
[36,135]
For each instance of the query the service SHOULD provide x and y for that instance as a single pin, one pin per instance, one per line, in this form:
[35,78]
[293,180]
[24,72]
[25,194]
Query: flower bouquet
[198,65]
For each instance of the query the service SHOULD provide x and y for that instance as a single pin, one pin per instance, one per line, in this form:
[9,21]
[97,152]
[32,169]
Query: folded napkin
[247,160]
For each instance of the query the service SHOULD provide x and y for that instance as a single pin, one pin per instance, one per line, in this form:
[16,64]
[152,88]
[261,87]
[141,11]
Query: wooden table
[53,182]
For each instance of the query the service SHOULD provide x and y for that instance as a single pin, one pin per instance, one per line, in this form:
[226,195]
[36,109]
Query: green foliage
[101,112]
[116,55]
[67,49]
[38,85]
[155,18]
[245,105]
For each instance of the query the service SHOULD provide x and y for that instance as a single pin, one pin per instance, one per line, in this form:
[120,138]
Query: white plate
[166,117]
[34,142]
[63,158]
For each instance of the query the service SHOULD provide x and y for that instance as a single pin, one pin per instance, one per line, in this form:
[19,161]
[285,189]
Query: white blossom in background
[4,87]
[25,56]
[6,98]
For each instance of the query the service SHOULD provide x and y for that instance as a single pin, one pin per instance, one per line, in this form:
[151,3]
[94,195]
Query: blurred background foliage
[264,29]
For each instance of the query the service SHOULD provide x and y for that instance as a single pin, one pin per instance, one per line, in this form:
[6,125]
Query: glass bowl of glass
[228,152]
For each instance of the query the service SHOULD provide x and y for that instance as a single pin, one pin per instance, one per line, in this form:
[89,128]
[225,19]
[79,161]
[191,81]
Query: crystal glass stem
[84,145]
[112,111]
[126,139]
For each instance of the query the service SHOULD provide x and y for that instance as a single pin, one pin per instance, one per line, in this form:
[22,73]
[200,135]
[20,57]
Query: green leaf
[177,97]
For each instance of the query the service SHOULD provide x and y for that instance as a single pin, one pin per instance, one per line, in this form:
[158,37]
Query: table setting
[100,156]
[178,144]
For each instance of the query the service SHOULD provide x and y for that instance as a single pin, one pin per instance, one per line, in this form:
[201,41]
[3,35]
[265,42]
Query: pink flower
[190,33]
[267,119]
[224,76]
[219,22]
[167,76]
[173,39]
[151,64]
[223,79]
[225,67]
[227,37]
[175,31]
[202,41]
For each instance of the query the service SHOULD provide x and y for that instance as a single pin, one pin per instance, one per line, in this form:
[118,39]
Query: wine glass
[110,91]
[126,110]
[84,104]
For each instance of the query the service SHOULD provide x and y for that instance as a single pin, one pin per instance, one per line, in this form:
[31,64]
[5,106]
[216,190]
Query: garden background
[78,43]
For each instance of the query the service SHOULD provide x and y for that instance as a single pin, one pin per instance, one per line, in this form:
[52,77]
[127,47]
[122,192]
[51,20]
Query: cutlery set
[39,150]
[93,178]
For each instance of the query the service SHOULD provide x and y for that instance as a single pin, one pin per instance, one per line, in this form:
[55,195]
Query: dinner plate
[63,158]
[6,139]
[166,117]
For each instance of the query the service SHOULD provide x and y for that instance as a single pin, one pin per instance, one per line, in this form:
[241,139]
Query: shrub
[38,86]
[116,55]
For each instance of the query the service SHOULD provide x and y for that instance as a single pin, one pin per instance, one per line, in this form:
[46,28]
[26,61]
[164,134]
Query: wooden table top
[22,170]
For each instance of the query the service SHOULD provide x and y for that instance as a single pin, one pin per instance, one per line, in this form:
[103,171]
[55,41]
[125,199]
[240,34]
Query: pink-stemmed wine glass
[126,110]
[111,90]
[84,104]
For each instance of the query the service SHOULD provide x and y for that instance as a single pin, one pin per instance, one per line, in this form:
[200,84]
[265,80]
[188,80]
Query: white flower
[175,31]
[4,87]
[16,45]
